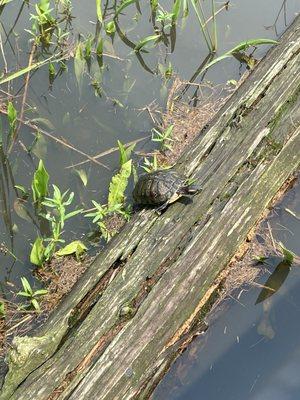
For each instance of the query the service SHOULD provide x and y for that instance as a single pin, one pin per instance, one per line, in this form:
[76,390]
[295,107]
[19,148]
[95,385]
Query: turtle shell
[157,187]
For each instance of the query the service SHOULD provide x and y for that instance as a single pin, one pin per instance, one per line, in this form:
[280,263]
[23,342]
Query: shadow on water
[251,350]
[275,281]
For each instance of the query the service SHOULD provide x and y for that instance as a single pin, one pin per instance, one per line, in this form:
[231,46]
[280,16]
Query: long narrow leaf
[99,11]
[145,41]
[251,42]
[202,26]
[176,10]
[240,47]
[23,71]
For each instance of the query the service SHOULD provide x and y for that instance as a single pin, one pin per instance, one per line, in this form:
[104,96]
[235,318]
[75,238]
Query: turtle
[162,187]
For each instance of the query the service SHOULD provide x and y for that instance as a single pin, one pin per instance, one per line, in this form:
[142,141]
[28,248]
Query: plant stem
[215,36]
[15,135]
[202,25]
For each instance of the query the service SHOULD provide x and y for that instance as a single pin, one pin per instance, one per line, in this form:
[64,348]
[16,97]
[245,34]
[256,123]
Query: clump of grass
[32,296]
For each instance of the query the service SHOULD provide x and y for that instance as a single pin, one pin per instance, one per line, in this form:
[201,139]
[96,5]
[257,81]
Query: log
[116,333]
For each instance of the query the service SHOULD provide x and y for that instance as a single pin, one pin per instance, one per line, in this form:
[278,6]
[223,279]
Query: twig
[10,330]
[3,55]
[263,286]
[271,236]
[58,140]
[224,6]
[15,134]
[110,56]
[106,152]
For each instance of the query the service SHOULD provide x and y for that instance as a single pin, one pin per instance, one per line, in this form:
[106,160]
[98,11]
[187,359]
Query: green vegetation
[56,213]
[31,295]
[116,195]
[163,137]
[39,184]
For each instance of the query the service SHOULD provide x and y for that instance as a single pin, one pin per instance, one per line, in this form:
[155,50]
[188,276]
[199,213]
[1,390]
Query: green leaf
[35,305]
[40,292]
[3,2]
[37,255]
[40,181]
[24,294]
[110,27]
[99,50]
[12,115]
[241,46]
[23,71]
[176,10]
[118,185]
[288,255]
[99,11]
[2,309]
[76,247]
[145,41]
[26,285]
[73,213]
[125,152]
[79,66]
[82,175]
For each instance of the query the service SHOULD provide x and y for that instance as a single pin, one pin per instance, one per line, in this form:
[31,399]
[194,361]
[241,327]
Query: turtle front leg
[162,207]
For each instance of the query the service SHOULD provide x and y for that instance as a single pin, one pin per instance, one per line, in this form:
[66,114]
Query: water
[250,351]
[94,123]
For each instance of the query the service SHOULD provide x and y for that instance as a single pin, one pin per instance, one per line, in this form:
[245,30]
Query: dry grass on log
[188,121]
[59,277]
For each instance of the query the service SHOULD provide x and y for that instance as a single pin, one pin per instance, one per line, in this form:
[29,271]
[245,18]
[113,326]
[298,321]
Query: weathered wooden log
[115,334]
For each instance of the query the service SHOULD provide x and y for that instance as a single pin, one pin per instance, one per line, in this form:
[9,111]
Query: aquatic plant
[31,295]
[43,23]
[288,255]
[39,185]
[76,247]
[238,49]
[116,194]
[163,137]
[54,210]
[150,165]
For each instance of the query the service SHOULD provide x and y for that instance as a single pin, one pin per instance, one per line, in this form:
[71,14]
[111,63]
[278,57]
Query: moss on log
[115,334]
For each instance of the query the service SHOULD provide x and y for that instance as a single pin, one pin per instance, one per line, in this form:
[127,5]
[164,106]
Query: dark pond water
[250,351]
[92,123]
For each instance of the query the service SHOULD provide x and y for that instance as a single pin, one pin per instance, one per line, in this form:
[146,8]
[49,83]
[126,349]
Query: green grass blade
[240,47]
[24,71]
[215,36]
[145,41]
[202,26]
[176,10]
[251,42]
[99,11]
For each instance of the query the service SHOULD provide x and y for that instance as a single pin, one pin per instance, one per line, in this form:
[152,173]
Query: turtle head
[191,189]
